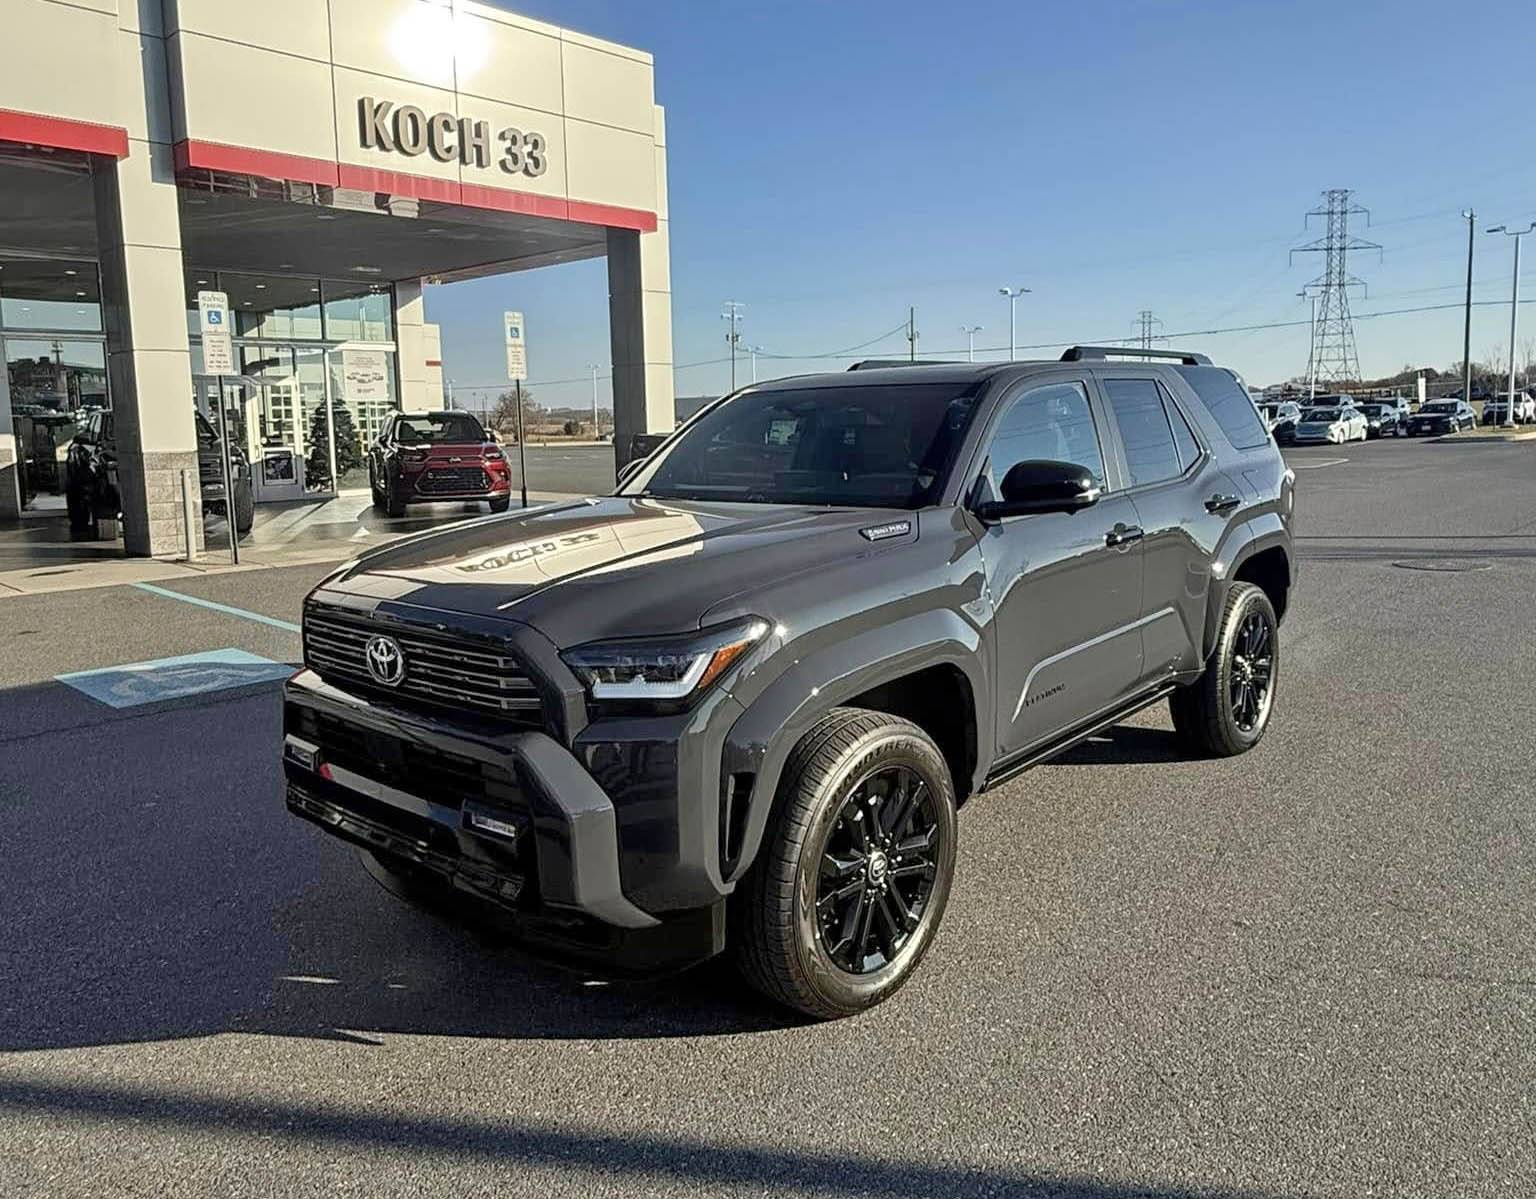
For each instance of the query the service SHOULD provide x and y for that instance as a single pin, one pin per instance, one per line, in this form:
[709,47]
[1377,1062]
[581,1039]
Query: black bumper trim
[573,820]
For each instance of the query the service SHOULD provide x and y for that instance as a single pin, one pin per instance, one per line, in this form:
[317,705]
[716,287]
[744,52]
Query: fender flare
[1262,532]
[760,741]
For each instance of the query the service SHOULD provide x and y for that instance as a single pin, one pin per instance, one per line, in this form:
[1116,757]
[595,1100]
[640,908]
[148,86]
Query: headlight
[670,669]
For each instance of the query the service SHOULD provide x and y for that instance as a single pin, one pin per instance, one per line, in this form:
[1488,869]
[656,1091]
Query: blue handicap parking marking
[139,683]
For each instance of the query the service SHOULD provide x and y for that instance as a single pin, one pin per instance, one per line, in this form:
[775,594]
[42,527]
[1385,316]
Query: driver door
[1065,586]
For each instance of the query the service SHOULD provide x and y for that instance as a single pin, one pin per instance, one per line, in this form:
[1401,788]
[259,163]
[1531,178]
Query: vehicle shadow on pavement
[706,1167]
[154,887]
[1122,744]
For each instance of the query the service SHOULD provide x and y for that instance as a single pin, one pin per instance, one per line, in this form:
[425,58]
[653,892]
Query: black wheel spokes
[1252,671]
[877,870]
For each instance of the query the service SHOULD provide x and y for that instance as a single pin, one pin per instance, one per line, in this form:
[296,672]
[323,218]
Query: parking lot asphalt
[1306,971]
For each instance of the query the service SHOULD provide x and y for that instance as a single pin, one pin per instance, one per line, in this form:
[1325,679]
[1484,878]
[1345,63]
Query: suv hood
[617,566]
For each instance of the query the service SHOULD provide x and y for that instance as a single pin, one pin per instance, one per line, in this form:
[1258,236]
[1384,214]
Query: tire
[245,508]
[379,502]
[1206,714]
[833,785]
[502,504]
[394,502]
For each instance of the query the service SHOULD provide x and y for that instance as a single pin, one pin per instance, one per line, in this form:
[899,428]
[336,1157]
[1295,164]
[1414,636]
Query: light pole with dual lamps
[970,332]
[1013,294]
[1514,320]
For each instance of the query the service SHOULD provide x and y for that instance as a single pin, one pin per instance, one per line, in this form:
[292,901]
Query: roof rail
[1088,353]
[870,364]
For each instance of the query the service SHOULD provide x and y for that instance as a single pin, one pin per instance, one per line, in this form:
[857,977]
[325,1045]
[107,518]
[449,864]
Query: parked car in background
[1401,405]
[1281,418]
[1335,425]
[422,457]
[1439,417]
[1381,420]
[1496,411]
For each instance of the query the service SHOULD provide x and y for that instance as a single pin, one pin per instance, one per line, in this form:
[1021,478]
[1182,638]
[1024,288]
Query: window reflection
[55,376]
[358,311]
[50,294]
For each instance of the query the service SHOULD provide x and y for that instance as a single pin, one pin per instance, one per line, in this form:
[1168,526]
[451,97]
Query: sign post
[219,361]
[517,371]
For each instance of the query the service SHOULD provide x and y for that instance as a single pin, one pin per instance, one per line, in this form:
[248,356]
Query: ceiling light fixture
[80,293]
[369,270]
[71,272]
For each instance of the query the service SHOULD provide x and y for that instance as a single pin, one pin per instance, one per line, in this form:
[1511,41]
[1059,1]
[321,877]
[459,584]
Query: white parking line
[1315,465]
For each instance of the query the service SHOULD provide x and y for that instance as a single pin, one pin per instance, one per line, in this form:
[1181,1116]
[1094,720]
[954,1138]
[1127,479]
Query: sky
[831,164]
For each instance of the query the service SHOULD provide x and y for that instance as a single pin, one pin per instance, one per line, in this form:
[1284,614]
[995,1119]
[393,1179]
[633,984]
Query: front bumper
[509,817]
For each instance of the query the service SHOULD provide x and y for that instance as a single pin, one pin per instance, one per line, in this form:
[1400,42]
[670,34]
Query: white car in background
[1332,425]
[1496,411]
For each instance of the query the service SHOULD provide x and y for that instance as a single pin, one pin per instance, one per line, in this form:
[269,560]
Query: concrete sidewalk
[330,530]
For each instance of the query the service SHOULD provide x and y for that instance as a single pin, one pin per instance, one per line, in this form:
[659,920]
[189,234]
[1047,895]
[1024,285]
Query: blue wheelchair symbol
[215,317]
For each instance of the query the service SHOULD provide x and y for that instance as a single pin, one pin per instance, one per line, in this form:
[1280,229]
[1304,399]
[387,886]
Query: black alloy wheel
[1252,673]
[878,867]
[849,886]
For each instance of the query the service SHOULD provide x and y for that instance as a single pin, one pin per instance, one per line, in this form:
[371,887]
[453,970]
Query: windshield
[1451,407]
[1371,409]
[1321,414]
[431,427]
[874,446]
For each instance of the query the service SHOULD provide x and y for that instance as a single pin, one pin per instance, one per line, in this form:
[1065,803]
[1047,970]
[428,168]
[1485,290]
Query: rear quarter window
[1228,404]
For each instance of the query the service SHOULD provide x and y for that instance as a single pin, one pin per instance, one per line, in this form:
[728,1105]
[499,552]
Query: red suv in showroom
[421,457]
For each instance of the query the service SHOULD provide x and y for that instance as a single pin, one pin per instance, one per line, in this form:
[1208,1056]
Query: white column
[143,294]
[410,342]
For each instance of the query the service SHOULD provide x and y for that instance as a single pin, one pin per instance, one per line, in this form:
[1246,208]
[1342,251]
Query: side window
[1053,423]
[1228,404]
[1183,436]
[1150,452]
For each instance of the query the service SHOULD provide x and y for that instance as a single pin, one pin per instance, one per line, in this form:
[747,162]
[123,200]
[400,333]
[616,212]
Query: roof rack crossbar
[1091,353]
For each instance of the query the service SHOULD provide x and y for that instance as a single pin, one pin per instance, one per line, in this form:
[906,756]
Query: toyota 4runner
[738,702]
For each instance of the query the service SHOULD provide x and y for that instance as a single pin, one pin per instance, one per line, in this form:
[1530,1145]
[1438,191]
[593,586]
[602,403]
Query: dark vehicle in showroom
[737,704]
[90,476]
[1440,417]
[1381,420]
[425,457]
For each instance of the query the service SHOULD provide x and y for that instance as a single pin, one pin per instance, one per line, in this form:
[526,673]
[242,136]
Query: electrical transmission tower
[1146,322]
[1333,357]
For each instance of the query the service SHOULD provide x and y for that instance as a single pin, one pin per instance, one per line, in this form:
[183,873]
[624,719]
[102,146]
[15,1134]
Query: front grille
[437,670]
[444,778]
[447,480]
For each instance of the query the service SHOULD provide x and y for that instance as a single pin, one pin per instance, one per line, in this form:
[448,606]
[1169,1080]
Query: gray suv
[738,702]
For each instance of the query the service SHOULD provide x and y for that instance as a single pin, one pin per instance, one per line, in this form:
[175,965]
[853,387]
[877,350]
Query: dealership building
[318,161]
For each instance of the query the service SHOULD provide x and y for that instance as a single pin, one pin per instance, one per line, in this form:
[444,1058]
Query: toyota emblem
[386,663]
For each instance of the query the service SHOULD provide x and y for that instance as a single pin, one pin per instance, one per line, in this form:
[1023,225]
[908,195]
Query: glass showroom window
[49,294]
[358,311]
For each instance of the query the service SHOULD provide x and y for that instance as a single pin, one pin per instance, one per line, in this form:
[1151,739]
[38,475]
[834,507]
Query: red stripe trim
[63,134]
[397,183]
[434,362]
[610,214]
[504,199]
[237,160]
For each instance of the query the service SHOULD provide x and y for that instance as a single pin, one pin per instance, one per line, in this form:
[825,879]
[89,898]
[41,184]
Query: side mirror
[1040,486]
[629,470]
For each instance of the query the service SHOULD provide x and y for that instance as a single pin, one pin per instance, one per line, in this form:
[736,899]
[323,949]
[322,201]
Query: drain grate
[1449,565]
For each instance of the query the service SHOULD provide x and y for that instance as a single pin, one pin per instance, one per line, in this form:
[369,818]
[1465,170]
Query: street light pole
[732,314]
[970,332]
[596,429]
[1013,294]
[752,351]
[1514,317]
[1311,345]
[1466,333]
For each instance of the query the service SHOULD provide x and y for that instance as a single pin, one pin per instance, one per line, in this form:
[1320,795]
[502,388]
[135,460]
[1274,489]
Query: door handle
[1221,503]
[1123,536]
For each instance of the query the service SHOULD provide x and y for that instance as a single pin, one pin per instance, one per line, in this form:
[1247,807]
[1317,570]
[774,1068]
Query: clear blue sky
[832,163]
